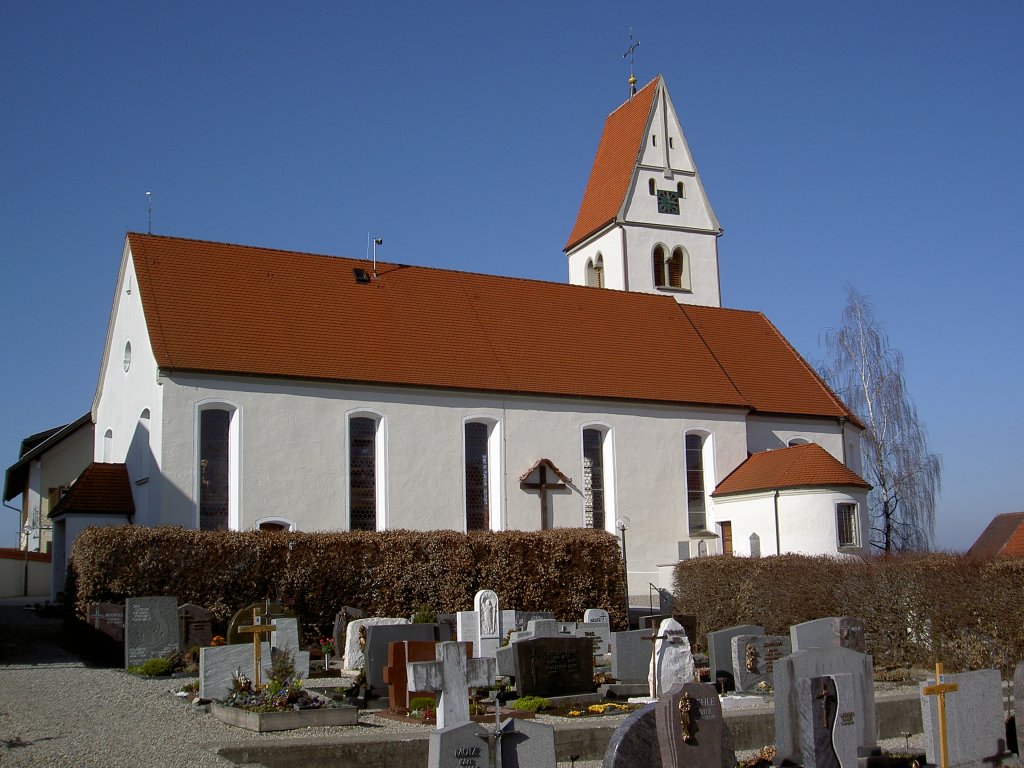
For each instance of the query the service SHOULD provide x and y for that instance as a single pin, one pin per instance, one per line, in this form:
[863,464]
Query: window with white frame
[216,494]
[696,482]
[478,475]
[595,272]
[593,478]
[363,472]
[846,525]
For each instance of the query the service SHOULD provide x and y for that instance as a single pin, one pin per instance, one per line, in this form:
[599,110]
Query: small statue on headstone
[752,658]
[687,714]
[362,638]
[489,615]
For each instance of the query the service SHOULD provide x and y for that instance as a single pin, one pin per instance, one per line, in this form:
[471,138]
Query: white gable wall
[122,396]
[769,433]
[609,246]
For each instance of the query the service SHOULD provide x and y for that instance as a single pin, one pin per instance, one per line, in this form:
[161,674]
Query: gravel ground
[55,711]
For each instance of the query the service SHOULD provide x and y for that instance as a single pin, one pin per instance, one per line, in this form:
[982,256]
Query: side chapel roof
[100,489]
[232,309]
[1004,535]
[800,466]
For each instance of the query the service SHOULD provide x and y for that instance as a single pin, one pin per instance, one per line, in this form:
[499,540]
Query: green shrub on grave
[154,667]
[422,704]
[387,573]
[530,704]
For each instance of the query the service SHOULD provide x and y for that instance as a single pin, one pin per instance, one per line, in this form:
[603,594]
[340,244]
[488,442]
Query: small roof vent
[362,276]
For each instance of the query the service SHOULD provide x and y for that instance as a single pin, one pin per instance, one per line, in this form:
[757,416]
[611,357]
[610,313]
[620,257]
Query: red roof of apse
[801,466]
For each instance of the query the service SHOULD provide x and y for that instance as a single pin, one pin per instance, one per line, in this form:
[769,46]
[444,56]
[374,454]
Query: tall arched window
[696,482]
[215,471]
[658,264]
[363,472]
[482,479]
[594,478]
[679,269]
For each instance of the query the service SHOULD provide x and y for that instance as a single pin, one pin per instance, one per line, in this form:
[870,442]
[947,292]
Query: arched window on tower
[681,190]
[658,264]
[595,272]
[679,269]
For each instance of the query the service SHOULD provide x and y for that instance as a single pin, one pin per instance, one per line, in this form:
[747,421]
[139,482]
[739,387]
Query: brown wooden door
[726,538]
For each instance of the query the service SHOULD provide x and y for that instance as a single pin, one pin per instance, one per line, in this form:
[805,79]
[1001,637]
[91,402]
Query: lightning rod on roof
[149,212]
[629,52]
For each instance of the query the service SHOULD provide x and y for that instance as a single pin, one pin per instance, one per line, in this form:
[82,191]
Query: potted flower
[327,648]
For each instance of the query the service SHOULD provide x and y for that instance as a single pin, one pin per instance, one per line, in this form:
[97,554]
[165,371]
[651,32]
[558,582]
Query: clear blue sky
[873,143]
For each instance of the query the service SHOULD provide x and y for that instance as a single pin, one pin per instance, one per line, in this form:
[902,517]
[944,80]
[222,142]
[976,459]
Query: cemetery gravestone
[631,656]
[505,655]
[828,721]
[107,618]
[815,663]
[355,639]
[554,666]
[217,667]
[453,674]
[526,744]
[194,627]
[379,637]
[720,651]
[838,631]
[482,625]
[523,618]
[672,661]
[396,673]
[243,618]
[754,657]
[598,632]
[975,732]
[458,746]
[690,726]
[341,620]
[285,639]
[595,615]
[635,743]
[150,629]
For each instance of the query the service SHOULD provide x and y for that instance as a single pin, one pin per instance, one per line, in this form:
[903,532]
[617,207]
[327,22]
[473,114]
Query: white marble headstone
[592,615]
[354,658]
[218,664]
[673,660]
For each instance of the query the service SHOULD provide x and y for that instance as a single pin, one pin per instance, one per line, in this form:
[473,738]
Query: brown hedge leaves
[917,608]
[391,573]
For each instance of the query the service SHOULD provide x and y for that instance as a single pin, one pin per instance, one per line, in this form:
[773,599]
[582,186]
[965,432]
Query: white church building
[245,388]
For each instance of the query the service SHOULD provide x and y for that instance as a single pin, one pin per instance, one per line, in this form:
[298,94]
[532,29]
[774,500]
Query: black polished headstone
[554,666]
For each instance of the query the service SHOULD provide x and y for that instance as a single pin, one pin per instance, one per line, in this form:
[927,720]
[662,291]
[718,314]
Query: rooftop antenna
[376,241]
[149,212]
[629,52]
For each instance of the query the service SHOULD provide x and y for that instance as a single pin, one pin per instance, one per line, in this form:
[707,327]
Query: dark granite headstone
[554,666]
[194,627]
[720,651]
[107,618]
[459,746]
[635,743]
[754,657]
[523,618]
[526,744]
[631,656]
[690,724]
[341,620]
[378,637]
[828,721]
[451,621]
[150,629]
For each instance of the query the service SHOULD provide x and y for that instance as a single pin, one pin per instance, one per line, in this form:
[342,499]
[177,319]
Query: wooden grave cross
[257,629]
[939,690]
[453,675]
[825,696]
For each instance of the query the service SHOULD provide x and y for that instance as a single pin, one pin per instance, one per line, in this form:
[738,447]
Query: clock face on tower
[668,201]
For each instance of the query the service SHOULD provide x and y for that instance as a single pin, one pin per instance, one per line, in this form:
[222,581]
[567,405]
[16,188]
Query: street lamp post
[622,523]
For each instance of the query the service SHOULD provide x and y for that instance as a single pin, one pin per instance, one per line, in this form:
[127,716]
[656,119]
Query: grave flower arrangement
[282,692]
[327,649]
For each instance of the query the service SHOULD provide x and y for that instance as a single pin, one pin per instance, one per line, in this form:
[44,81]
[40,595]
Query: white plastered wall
[122,397]
[770,433]
[807,521]
[609,246]
[293,457]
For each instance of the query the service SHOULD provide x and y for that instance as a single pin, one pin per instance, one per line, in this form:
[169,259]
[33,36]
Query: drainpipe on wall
[842,437]
[778,540]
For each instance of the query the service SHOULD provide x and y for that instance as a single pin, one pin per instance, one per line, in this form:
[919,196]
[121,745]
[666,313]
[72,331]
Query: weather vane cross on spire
[629,52]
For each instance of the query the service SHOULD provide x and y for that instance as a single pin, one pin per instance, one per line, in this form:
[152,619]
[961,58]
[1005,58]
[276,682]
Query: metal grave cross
[453,675]
[257,629]
[939,690]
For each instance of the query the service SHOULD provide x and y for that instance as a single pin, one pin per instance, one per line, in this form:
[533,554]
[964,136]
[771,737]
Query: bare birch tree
[868,374]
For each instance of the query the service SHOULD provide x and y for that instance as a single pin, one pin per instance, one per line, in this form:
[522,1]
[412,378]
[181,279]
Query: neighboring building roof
[801,466]
[1004,535]
[231,309]
[100,489]
[34,446]
[617,154]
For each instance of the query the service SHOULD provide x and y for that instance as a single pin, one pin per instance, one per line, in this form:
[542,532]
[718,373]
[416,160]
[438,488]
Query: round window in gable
[127,356]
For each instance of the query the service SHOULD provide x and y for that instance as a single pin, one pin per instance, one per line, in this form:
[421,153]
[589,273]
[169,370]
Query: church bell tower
[645,223]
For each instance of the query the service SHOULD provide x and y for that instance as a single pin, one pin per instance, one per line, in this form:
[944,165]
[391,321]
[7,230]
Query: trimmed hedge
[391,573]
[917,608]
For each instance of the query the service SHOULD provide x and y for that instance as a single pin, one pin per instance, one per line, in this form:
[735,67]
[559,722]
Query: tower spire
[629,52]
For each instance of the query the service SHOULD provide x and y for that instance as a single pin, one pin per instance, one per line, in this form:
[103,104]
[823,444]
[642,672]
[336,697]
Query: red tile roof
[802,466]
[235,309]
[1004,535]
[100,489]
[618,151]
